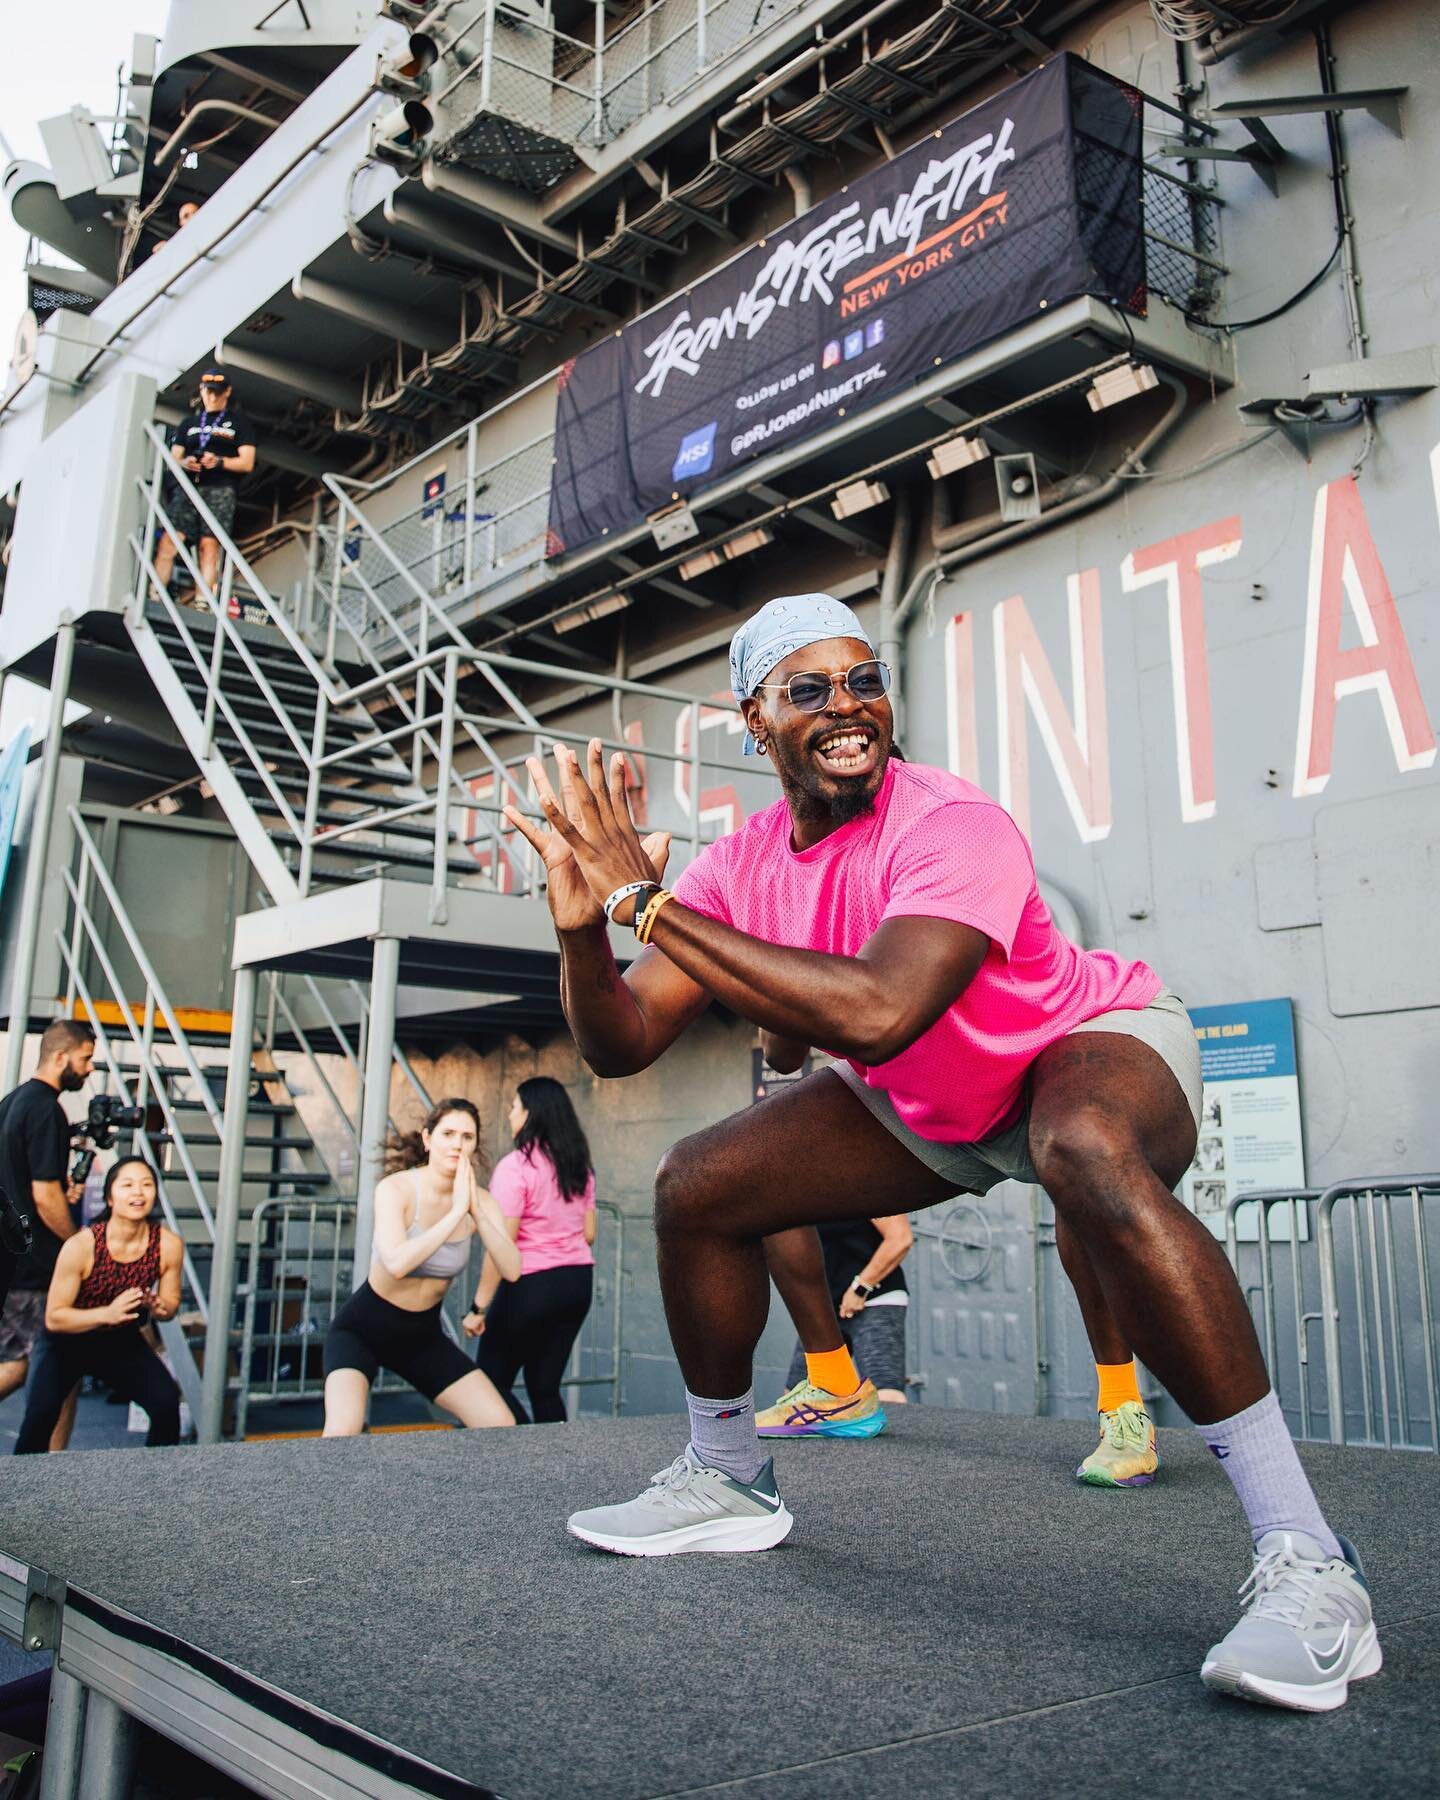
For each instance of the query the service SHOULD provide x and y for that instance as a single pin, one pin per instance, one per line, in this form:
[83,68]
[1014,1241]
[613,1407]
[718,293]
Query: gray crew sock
[722,1433]
[1259,1457]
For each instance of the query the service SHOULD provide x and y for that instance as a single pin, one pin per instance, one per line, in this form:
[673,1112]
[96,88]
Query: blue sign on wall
[12,778]
[1250,1117]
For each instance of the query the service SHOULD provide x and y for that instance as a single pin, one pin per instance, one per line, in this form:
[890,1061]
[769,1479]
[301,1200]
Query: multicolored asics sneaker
[1307,1632]
[808,1411]
[1126,1455]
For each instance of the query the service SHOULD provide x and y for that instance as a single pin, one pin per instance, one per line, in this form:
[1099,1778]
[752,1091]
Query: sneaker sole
[1321,1696]
[1098,1478]
[850,1428]
[714,1535]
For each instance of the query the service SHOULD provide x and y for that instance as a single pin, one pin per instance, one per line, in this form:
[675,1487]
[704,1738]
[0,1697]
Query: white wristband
[623,893]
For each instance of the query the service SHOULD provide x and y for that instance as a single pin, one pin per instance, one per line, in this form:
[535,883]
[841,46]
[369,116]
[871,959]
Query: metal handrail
[116,1069]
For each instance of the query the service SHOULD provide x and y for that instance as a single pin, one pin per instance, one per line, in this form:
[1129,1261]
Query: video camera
[106,1118]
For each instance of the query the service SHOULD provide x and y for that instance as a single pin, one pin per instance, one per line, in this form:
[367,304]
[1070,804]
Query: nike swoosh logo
[1326,1661]
[767,1498]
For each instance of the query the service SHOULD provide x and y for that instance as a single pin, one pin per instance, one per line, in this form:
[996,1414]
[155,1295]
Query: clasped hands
[589,843]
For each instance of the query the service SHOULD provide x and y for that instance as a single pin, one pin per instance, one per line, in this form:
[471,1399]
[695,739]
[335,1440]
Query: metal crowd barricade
[1376,1305]
[1389,1347]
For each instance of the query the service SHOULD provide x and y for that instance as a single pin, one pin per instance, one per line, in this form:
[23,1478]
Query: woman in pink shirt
[546,1190]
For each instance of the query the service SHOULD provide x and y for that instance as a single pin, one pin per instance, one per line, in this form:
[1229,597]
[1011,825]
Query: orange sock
[834,1371]
[1118,1383]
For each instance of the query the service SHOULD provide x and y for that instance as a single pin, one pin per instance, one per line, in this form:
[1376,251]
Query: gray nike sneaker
[1307,1632]
[689,1507]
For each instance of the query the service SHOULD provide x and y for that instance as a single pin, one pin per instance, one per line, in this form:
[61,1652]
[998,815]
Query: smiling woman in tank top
[427,1211]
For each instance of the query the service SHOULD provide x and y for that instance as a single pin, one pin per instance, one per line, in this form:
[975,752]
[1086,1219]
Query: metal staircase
[178,1079]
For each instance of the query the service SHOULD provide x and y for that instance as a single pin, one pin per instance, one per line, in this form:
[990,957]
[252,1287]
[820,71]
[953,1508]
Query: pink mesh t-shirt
[934,847]
[552,1228]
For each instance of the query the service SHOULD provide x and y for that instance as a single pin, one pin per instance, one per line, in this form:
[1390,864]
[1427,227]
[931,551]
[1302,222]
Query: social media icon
[696,453]
[831,354]
[854,344]
[874,333]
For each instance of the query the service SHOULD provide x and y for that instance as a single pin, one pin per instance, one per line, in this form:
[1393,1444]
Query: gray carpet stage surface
[951,1613]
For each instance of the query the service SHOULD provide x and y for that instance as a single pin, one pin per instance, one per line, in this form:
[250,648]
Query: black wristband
[642,900]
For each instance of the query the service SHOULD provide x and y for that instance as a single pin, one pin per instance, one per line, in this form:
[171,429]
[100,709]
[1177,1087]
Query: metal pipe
[111,1745]
[182,130]
[1330,1314]
[64,1734]
[891,586]
[224,1256]
[37,859]
[1427,1321]
[440,871]
[375,1096]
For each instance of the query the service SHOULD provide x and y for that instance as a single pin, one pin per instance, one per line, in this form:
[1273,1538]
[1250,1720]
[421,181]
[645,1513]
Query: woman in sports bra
[427,1210]
[109,1278]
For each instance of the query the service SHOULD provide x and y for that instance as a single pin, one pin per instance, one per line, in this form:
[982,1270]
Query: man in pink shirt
[888,913]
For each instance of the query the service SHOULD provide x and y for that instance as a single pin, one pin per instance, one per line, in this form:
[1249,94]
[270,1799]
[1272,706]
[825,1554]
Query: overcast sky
[55,57]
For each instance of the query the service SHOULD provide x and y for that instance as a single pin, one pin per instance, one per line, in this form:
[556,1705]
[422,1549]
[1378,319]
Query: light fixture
[701,563]
[754,539]
[1120,384]
[954,454]
[858,497]
[597,609]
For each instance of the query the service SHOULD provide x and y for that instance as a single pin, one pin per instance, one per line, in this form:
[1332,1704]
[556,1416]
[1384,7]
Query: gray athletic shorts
[875,1337]
[975,1168]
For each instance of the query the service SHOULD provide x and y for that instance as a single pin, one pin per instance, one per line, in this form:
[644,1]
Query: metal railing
[438,767]
[1355,1261]
[584,91]
[159,1050]
[299,1278]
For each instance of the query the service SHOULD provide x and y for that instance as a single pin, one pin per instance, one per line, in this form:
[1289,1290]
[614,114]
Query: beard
[70,1082]
[819,799]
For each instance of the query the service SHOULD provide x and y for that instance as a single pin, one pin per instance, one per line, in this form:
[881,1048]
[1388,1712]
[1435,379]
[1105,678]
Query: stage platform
[952,1615]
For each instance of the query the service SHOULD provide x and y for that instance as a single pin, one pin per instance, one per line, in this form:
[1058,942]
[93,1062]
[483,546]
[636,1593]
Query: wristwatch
[857,1286]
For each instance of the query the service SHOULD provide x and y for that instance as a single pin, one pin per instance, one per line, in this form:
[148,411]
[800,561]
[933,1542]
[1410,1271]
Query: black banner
[1028,200]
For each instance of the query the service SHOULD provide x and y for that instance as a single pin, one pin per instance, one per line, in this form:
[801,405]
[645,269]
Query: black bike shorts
[370,1334]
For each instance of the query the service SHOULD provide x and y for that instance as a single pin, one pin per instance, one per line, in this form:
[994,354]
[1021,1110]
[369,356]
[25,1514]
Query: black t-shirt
[848,1245]
[34,1146]
[223,433]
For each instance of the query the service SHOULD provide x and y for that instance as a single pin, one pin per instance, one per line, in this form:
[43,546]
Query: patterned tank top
[109,1279]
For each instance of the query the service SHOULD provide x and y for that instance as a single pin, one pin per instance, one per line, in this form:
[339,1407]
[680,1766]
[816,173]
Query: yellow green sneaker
[808,1411]
[1126,1455]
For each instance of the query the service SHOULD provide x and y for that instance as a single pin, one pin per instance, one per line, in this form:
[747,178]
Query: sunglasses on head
[867,681]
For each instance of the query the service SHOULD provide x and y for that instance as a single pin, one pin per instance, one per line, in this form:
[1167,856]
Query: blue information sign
[1250,1135]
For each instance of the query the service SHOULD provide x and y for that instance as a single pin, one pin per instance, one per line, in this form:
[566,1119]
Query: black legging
[121,1358]
[532,1324]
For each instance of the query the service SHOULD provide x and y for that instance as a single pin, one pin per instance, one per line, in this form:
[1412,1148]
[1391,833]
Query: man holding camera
[34,1159]
[215,446]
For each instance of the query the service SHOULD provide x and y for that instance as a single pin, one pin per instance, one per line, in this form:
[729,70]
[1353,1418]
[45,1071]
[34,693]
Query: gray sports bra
[452,1256]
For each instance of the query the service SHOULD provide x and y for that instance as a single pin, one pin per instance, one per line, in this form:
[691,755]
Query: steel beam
[300,378]
[375,1095]
[27,929]
[224,1257]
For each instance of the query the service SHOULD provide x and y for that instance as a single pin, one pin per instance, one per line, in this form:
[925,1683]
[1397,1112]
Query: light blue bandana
[778,630]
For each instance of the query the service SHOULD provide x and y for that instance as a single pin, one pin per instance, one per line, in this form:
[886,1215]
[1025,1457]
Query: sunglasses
[867,681]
